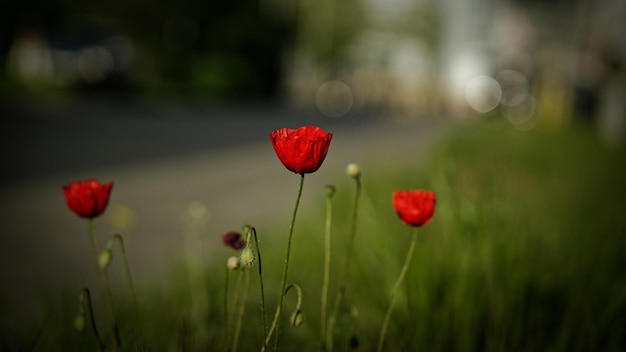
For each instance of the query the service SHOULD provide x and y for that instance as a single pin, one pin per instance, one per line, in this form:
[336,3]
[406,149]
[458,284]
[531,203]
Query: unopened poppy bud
[105,258]
[233,263]
[247,257]
[233,240]
[79,322]
[297,318]
[330,190]
[353,170]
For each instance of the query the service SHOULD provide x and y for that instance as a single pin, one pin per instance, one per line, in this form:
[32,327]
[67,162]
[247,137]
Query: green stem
[355,208]
[287,256]
[298,308]
[129,277]
[324,299]
[226,305]
[104,276]
[92,318]
[396,287]
[271,331]
[346,271]
[233,308]
[242,309]
[131,285]
[258,251]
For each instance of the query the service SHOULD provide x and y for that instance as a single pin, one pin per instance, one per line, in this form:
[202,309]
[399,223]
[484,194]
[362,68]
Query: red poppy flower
[233,240]
[415,208]
[87,198]
[301,150]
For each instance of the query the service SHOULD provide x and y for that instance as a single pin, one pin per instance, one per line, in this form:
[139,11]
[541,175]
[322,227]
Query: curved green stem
[327,247]
[129,277]
[394,292]
[92,318]
[95,246]
[296,310]
[287,257]
[258,251]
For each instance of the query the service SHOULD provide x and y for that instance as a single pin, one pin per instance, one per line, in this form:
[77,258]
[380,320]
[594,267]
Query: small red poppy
[88,198]
[233,240]
[301,150]
[415,208]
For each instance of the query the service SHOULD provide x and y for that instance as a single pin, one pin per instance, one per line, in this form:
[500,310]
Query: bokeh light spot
[515,87]
[334,98]
[483,93]
[95,63]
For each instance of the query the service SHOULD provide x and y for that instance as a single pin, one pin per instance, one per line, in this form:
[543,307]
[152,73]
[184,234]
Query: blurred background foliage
[178,48]
[418,57]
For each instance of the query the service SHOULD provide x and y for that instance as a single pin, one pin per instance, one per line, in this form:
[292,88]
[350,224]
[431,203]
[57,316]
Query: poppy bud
[353,170]
[104,260]
[233,240]
[247,257]
[297,318]
[233,263]
[330,190]
[79,322]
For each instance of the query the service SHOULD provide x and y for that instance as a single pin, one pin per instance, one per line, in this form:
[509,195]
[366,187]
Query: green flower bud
[330,190]
[247,257]
[297,318]
[353,170]
[233,263]
[105,258]
[79,322]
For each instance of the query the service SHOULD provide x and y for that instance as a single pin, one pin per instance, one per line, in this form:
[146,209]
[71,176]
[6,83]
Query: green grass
[526,252]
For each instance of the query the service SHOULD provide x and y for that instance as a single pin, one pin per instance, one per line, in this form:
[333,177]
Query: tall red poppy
[301,150]
[415,208]
[88,198]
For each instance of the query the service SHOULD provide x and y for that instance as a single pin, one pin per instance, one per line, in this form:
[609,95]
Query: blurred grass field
[526,252]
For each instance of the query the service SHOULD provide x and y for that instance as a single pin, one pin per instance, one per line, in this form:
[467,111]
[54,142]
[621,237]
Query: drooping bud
[105,258]
[247,257]
[233,263]
[297,318]
[79,322]
[353,170]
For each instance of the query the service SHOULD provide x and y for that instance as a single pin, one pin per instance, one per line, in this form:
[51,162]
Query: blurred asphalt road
[161,159]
